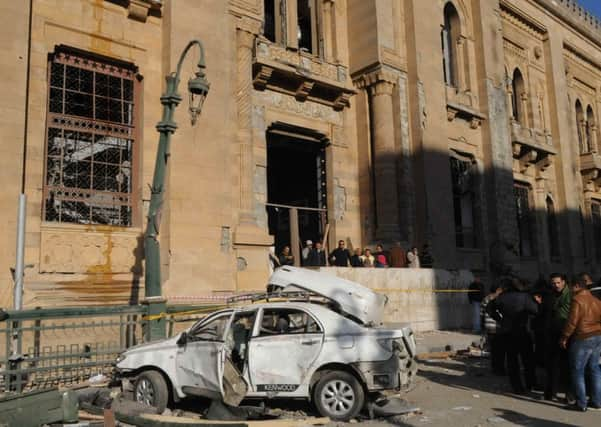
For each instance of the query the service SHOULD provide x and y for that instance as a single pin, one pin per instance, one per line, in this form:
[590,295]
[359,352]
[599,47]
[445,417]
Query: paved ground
[461,392]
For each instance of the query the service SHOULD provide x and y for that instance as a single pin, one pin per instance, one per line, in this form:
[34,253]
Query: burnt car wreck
[312,336]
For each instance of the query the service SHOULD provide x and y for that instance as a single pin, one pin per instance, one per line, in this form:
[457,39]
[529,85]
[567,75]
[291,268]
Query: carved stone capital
[376,76]
[381,87]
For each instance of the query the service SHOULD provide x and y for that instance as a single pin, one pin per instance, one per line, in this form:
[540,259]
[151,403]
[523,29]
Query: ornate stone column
[328,30]
[461,77]
[247,231]
[380,85]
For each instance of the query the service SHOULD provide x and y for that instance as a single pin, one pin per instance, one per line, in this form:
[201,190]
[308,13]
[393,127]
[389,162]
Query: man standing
[556,309]
[398,258]
[584,327]
[475,297]
[512,309]
[340,256]
[493,336]
[317,256]
[306,252]
[413,258]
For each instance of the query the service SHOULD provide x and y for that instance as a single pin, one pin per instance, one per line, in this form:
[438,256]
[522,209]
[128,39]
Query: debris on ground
[390,406]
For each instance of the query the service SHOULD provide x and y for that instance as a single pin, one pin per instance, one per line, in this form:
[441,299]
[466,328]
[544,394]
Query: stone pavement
[435,341]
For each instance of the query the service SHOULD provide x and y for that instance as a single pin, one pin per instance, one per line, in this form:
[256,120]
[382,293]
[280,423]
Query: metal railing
[45,348]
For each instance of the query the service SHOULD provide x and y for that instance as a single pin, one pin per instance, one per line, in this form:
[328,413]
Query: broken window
[552,229]
[596,222]
[89,140]
[525,220]
[287,321]
[462,175]
[213,330]
[292,23]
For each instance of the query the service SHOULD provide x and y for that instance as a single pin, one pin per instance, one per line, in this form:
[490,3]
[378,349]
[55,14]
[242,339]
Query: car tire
[151,389]
[339,396]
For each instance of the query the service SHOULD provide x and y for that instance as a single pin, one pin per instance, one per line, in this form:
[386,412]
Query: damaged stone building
[469,126]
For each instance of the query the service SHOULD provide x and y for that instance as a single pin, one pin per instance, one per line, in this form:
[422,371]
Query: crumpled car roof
[354,299]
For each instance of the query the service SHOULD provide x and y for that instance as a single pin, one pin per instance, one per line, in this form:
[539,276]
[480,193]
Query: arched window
[552,228]
[518,88]
[449,36]
[582,143]
[590,124]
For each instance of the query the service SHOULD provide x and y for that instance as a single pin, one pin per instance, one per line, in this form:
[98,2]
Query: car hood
[153,346]
[352,298]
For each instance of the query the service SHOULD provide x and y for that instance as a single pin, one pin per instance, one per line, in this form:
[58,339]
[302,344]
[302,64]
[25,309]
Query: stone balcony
[531,147]
[590,168]
[463,104]
[300,74]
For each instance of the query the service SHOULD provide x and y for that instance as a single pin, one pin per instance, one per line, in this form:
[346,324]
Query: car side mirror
[183,339]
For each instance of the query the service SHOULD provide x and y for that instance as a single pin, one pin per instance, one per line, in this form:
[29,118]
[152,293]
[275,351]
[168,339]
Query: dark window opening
[90,141]
[449,36]
[518,89]
[296,176]
[552,229]
[306,24]
[596,222]
[525,220]
[590,124]
[463,202]
[269,26]
[580,122]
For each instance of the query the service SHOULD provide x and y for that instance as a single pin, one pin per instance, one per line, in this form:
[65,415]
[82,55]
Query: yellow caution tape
[183,313]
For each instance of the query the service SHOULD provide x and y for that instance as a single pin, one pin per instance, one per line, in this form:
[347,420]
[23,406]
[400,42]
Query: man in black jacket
[317,256]
[340,257]
[513,309]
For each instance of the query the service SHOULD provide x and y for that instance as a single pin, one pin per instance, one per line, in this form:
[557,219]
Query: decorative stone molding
[517,18]
[533,149]
[576,16]
[138,10]
[300,75]
[303,90]
[463,105]
[590,168]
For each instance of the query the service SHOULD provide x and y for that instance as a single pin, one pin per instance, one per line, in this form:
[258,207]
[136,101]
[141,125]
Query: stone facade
[486,149]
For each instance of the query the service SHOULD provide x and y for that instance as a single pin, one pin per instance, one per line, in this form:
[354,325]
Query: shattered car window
[238,337]
[213,330]
[287,321]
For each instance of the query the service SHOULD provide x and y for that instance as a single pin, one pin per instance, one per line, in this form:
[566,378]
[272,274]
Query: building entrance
[296,186]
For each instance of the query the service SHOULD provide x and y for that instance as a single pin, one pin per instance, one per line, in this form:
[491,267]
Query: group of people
[314,255]
[556,325]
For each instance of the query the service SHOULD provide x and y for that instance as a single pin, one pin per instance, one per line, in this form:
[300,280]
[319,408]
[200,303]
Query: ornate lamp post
[198,87]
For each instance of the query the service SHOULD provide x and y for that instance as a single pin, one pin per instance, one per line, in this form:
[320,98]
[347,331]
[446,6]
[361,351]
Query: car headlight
[120,358]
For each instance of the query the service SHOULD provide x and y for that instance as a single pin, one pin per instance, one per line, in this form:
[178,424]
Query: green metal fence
[49,347]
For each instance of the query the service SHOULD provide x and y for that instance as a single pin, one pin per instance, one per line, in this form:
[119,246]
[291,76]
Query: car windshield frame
[197,326]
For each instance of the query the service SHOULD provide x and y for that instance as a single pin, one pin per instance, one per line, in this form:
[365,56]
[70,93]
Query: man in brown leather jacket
[584,327]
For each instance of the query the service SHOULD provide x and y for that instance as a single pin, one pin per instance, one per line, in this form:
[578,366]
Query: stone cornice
[581,58]
[520,20]
[575,16]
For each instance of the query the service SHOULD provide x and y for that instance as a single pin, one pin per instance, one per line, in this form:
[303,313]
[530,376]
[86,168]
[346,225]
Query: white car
[320,339]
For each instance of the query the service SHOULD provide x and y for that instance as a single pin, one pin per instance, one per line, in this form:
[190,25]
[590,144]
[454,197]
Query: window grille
[463,202]
[525,220]
[90,141]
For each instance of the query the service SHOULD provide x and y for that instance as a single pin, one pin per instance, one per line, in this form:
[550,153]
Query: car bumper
[395,373]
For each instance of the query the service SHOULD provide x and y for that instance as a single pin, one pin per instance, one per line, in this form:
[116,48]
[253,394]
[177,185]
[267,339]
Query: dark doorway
[296,176]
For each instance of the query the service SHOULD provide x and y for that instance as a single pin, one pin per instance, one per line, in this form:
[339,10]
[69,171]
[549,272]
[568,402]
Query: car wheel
[339,396]
[151,389]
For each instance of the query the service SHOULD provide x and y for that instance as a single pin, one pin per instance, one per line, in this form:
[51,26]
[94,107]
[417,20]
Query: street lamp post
[198,87]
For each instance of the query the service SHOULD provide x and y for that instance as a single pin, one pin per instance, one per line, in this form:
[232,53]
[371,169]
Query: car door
[284,349]
[200,358]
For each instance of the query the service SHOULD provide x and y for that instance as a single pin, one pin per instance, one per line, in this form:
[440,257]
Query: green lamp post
[198,87]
